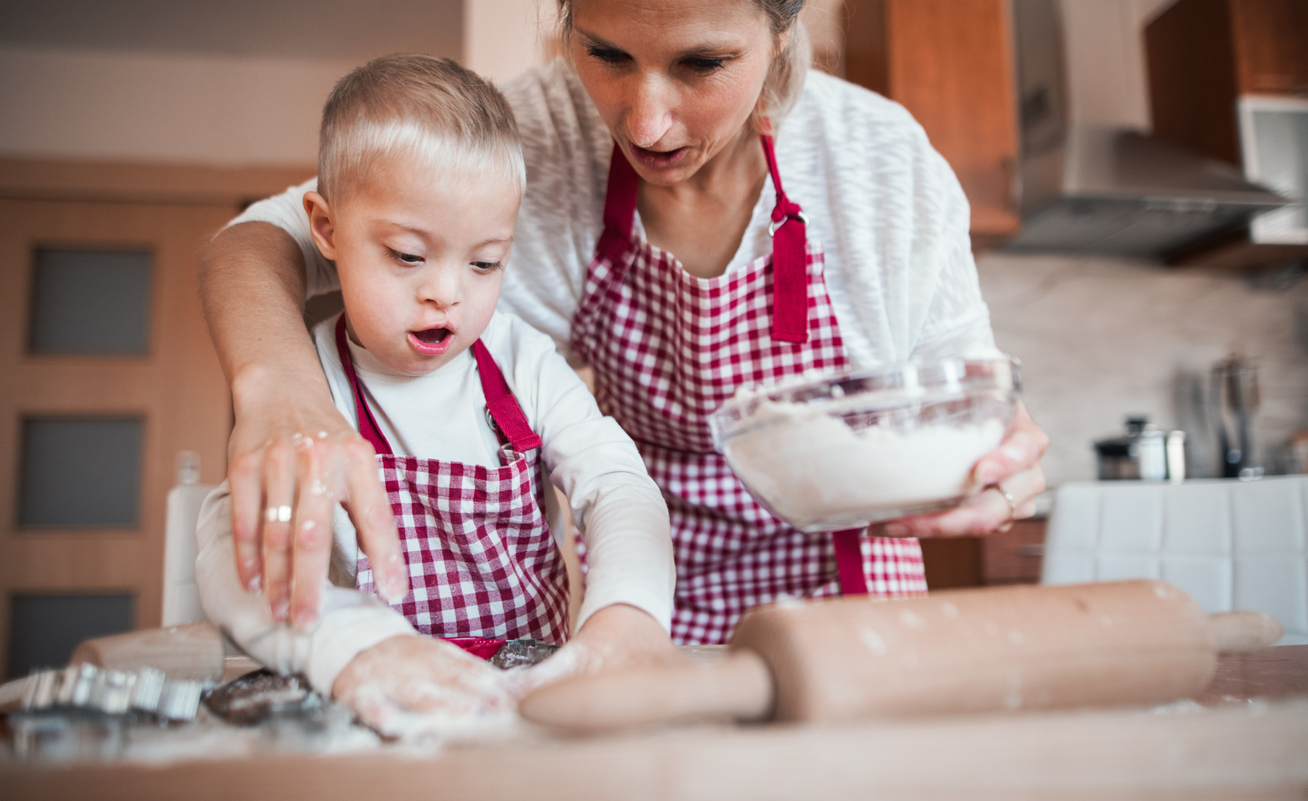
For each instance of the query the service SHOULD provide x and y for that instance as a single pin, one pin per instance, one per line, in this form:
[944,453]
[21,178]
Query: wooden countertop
[1231,742]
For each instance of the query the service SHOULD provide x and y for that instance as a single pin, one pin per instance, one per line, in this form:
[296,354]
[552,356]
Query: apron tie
[789,231]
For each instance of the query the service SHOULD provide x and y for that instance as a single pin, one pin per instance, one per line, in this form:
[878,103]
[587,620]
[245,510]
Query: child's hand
[615,637]
[397,680]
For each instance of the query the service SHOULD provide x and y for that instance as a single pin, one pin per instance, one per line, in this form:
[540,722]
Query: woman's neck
[702,220]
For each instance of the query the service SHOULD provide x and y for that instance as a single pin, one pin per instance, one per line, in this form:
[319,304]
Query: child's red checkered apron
[483,566]
[667,349]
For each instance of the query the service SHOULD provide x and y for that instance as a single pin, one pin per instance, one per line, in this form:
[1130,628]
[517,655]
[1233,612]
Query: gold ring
[277,514]
[1012,505]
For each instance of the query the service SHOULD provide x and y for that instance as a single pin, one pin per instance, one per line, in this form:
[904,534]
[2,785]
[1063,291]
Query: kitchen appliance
[1144,453]
[996,649]
[1274,148]
[1236,399]
[1105,190]
[841,452]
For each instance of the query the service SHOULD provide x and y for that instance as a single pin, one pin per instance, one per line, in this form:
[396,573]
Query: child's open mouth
[431,341]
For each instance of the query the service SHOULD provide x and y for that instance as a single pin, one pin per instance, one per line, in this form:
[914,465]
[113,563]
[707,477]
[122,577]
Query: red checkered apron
[667,349]
[483,566]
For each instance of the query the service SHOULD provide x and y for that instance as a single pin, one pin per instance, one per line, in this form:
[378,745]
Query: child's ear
[321,224]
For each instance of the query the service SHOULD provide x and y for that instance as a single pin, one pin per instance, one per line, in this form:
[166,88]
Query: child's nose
[441,287]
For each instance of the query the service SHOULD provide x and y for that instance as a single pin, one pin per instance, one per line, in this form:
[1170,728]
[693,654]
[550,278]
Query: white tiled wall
[1229,544]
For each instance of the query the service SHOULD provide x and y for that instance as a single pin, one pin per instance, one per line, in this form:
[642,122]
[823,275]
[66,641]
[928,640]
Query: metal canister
[1144,453]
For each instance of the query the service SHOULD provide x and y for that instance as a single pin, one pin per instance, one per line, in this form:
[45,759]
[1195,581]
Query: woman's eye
[606,55]
[705,64]
[407,258]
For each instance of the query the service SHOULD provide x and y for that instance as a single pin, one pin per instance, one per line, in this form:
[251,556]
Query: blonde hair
[786,73]
[425,108]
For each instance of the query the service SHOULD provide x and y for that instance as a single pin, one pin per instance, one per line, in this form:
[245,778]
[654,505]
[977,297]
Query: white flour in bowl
[816,472]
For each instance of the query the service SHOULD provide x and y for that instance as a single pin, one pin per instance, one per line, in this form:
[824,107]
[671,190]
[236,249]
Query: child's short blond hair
[420,107]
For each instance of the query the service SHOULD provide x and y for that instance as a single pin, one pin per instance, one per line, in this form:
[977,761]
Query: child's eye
[704,64]
[606,55]
[487,266]
[406,258]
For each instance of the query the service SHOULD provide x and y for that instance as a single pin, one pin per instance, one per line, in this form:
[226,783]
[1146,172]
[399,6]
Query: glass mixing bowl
[845,451]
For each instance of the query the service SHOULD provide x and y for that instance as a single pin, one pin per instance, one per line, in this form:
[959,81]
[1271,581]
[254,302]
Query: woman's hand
[615,637]
[291,456]
[292,459]
[1013,467]
[415,675]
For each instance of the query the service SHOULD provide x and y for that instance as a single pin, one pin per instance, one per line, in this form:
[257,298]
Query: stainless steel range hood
[1109,191]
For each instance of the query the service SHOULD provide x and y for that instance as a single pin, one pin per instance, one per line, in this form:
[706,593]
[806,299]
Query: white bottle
[181,599]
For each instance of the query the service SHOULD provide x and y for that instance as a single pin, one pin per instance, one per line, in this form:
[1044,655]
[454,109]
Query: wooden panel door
[175,388]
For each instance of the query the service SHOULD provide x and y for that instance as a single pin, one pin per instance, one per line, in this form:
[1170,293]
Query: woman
[685,176]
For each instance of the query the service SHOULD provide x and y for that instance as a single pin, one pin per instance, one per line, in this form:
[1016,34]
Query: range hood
[1109,191]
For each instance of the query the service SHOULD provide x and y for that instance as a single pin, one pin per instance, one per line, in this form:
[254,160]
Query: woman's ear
[321,224]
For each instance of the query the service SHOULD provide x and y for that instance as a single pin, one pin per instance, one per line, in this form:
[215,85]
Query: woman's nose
[650,116]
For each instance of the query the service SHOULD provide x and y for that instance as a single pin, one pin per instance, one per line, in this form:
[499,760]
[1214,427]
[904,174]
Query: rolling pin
[962,651]
[192,651]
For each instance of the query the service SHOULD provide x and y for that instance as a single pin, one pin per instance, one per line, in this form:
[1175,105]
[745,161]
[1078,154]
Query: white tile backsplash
[1196,520]
[1131,520]
[1229,544]
[1268,519]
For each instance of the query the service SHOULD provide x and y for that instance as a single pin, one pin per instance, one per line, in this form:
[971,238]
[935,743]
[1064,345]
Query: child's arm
[627,610]
[361,651]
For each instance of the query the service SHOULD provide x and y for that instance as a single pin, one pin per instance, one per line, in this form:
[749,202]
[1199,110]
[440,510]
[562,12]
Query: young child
[420,175]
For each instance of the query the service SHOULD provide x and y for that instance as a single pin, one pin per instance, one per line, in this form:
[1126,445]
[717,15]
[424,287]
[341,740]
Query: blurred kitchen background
[1118,271]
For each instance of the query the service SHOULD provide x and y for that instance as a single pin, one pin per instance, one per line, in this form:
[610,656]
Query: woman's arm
[957,322]
[289,447]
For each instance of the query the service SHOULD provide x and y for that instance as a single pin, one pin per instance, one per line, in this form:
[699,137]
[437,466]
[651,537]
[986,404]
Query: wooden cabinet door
[950,63]
[169,394]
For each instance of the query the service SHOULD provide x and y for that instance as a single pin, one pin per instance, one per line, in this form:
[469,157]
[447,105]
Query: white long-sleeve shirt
[441,415]
[887,209]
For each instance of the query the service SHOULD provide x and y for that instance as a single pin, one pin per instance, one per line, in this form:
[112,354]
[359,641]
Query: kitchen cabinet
[950,63]
[1202,57]
[1203,54]
[1004,557]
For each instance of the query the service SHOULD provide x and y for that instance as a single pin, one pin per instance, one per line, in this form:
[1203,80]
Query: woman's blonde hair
[446,118]
[787,71]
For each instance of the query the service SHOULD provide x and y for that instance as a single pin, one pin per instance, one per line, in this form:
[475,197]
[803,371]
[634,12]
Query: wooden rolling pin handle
[739,687]
[1242,632]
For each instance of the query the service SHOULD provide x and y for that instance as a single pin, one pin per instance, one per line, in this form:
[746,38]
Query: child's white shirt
[441,415]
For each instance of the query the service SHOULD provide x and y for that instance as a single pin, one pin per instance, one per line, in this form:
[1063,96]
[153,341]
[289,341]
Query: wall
[240,82]
[105,105]
[1102,338]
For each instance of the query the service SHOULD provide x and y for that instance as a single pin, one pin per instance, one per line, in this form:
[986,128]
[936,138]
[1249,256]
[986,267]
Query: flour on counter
[813,469]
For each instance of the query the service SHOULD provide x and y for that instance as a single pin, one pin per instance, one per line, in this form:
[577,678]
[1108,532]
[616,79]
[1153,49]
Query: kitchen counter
[1245,737]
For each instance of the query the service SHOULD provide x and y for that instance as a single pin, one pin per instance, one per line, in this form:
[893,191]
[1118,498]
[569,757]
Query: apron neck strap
[619,208]
[368,428]
[503,407]
[789,241]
